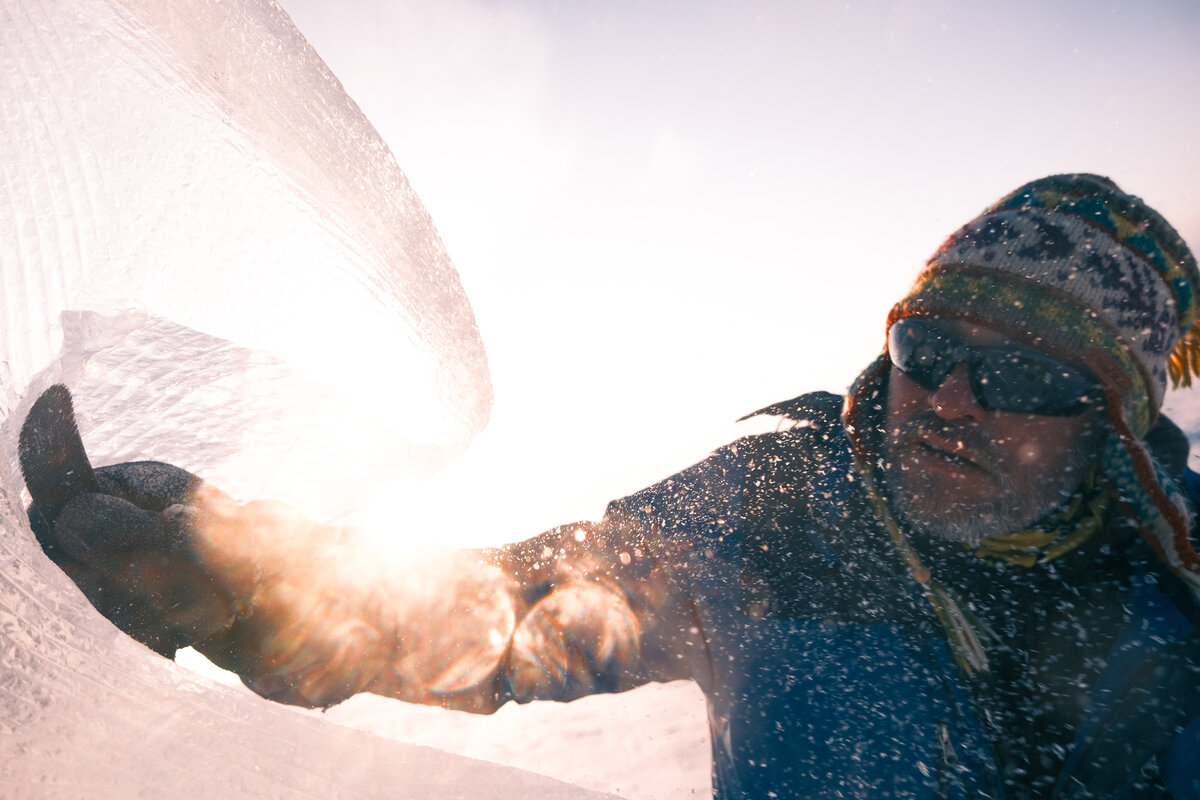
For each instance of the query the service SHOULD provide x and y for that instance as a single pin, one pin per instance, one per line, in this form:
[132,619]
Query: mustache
[925,424]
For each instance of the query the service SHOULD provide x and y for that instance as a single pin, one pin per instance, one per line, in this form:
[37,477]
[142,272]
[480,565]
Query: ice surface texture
[207,241]
[196,160]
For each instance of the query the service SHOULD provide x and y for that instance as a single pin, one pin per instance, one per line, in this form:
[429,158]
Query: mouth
[934,452]
[951,458]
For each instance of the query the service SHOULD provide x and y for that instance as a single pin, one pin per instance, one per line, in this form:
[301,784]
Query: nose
[955,399]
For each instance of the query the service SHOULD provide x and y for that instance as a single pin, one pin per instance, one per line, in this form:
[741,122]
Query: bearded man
[971,577]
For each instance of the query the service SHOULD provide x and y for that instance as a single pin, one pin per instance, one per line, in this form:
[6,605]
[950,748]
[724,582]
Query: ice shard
[202,235]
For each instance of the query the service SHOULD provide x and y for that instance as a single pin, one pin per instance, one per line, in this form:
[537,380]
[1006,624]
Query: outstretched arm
[310,614]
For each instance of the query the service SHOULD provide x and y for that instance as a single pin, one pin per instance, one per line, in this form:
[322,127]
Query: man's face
[959,471]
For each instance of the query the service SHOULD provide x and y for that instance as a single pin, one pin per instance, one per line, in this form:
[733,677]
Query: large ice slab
[208,242]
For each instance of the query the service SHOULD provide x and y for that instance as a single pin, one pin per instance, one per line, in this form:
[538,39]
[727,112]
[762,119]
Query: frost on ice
[206,240]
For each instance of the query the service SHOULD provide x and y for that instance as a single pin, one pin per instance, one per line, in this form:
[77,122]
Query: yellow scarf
[1058,534]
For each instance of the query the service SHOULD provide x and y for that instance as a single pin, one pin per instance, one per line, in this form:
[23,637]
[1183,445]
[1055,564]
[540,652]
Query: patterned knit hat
[1072,265]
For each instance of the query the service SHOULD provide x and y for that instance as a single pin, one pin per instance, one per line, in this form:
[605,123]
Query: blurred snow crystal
[207,241]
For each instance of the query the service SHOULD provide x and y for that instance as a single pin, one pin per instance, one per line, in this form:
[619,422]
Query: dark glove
[121,533]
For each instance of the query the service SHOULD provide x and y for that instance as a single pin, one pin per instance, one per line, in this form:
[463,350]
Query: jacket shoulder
[819,408]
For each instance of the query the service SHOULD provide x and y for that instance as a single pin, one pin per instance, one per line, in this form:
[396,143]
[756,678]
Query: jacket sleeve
[322,615]
[581,609]
[311,614]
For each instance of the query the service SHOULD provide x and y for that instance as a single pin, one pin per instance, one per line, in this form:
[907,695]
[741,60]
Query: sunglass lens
[922,352]
[1028,383]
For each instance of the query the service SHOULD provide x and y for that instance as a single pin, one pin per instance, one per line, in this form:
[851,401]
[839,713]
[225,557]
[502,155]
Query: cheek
[1030,453]
[903,396]
[1049,444]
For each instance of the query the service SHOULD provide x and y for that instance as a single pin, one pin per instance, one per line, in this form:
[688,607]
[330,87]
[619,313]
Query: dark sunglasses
[1002,378]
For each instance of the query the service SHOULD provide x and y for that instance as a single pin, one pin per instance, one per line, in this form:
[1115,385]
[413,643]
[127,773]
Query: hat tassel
[1184,363]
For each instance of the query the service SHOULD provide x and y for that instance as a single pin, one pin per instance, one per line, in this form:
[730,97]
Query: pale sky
[668,214]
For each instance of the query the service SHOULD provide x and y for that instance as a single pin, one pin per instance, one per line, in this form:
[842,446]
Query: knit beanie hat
[1075,267]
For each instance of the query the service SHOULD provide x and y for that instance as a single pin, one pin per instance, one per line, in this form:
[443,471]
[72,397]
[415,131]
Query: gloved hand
[120,533]
[175,562]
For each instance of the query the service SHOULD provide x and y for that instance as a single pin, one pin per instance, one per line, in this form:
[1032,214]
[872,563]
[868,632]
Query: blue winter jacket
[827,675]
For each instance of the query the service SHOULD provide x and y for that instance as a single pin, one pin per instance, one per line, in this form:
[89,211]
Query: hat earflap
[1155,503]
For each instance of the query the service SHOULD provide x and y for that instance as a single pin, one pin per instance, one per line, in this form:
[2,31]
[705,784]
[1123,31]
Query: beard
[1001,491]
